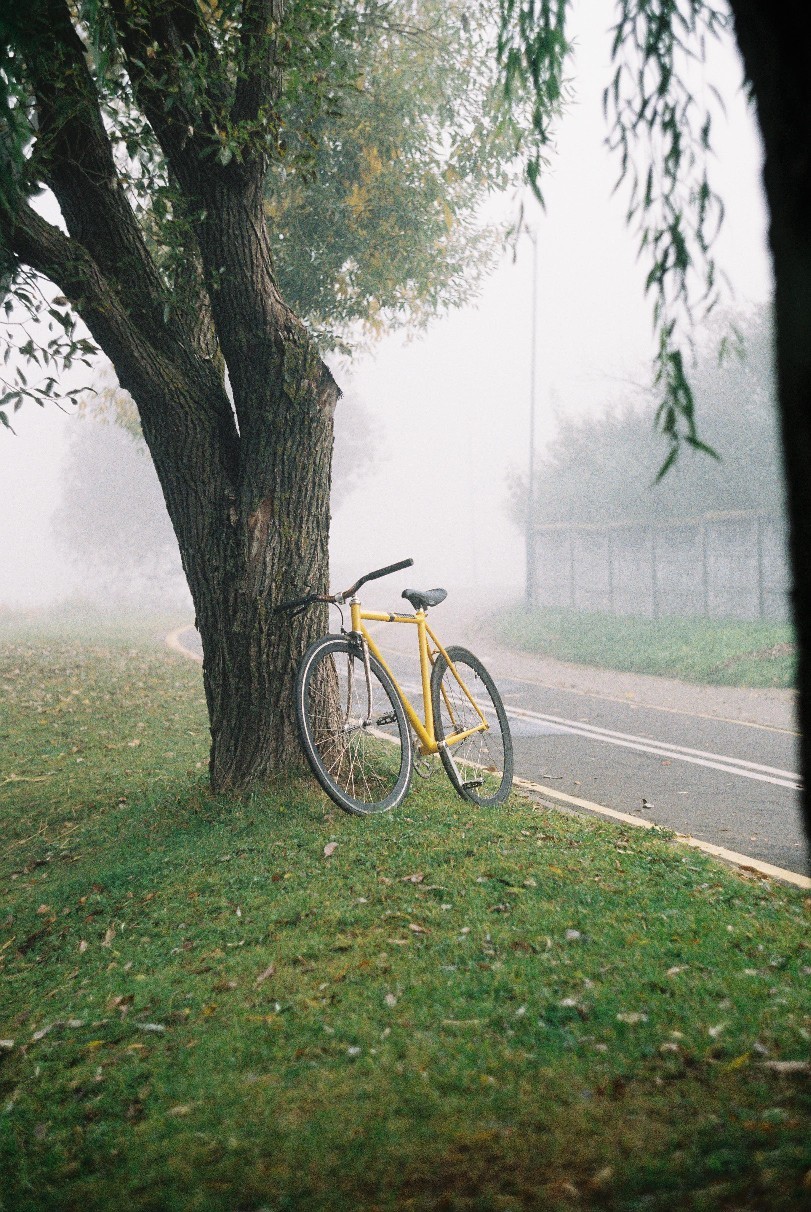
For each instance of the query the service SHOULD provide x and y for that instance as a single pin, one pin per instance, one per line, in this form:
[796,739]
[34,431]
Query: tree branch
[181,84]
[260,78]
[74,154]
[142,367]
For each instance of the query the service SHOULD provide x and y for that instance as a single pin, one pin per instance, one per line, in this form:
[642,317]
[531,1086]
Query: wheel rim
[480,761]
[356,742]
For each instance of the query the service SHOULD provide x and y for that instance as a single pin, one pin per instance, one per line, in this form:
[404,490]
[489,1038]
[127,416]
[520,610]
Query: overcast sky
[454,404]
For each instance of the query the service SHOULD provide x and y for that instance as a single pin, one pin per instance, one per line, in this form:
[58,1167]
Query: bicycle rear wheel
[354,731]
[480,767]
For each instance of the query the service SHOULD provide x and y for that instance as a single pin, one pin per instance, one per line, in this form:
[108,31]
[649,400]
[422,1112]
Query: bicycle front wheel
[353,727]
[480,766]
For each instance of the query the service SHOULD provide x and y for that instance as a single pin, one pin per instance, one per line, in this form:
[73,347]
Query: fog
[451,407]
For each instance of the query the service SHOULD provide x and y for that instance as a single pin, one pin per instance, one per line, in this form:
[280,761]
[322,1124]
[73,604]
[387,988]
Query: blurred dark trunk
[773,40]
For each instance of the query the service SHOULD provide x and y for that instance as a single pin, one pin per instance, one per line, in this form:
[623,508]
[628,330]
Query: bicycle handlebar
[372,576]
[301,603]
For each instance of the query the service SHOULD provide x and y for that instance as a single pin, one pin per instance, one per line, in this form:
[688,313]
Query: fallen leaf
[416,878]
[44,909]
[83,947]
[417,929]
[390,1000]
[795,1066]
[6,1044]
[181,1109]
[108,937]
[158,1028]
[632,1017]
[263,976]
[330,848]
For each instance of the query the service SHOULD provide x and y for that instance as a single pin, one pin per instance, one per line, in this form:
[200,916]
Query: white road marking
[700,757]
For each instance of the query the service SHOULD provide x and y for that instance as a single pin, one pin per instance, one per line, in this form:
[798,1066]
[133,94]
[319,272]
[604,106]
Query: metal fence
[722,565]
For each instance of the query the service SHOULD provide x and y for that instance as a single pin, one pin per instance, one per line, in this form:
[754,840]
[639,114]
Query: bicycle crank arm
[380,722]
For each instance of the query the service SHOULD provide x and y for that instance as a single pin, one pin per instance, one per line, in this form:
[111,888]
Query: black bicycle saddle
[421,599]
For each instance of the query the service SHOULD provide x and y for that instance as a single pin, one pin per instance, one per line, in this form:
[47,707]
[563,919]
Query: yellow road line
[730,856]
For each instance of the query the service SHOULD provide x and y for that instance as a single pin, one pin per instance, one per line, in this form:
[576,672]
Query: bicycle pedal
[471,783]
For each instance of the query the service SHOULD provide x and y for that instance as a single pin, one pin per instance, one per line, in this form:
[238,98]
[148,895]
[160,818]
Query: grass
[516,1009]
[714,652]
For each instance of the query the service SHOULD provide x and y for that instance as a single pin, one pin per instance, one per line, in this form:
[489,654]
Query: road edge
[743,861]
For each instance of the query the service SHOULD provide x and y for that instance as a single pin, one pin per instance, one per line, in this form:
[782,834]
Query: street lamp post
[530,518]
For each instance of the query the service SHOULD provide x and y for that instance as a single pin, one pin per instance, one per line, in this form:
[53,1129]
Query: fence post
[705,567]
[610,558]
[761,589]
[654,580]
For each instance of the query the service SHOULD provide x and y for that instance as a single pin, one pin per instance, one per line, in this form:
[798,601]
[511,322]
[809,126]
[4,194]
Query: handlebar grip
[384,572]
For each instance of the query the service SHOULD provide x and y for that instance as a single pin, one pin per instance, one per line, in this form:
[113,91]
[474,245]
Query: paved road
[717,764]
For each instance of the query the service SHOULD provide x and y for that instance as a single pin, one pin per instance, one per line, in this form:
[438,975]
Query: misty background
[433,432]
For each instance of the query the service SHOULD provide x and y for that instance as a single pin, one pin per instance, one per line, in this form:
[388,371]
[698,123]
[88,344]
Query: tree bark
[773,41]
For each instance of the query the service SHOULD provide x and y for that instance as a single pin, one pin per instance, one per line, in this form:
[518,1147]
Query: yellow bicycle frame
[425,730]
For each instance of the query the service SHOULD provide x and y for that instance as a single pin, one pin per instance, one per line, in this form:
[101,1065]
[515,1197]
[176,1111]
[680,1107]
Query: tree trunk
[246,547]
[773,41]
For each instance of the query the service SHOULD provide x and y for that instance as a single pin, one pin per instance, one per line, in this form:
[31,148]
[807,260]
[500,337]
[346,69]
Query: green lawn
[455,1009]
[715,652]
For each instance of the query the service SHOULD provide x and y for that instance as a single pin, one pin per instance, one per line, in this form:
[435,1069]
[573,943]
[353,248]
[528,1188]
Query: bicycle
[354,716]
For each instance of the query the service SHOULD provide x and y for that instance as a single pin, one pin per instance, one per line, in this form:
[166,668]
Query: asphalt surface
[717,764]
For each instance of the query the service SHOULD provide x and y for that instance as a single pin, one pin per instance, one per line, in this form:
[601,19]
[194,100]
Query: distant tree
[172,134]
[605,465]
[112,519]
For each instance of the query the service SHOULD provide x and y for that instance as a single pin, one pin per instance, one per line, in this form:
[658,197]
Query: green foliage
[382,227]
[605,466]
[661,132]
[454,1009]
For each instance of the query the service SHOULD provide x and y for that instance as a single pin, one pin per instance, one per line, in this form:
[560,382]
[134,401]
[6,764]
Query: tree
[663,136]
[605,466]
[155,124]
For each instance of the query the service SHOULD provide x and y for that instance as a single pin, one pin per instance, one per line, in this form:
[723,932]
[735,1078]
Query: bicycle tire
[360,752]
[481,766]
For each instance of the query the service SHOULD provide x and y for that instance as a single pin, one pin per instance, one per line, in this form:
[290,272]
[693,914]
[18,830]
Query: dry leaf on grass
[263,976]
[330,848]
[787,1067]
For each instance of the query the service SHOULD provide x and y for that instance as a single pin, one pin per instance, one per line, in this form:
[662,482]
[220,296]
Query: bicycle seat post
[425,670]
